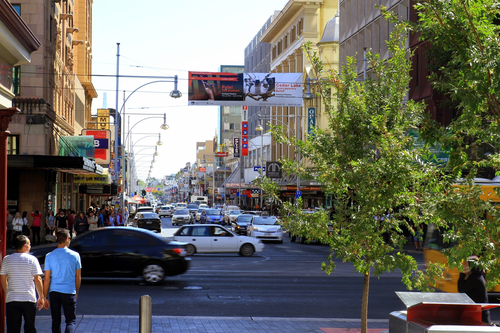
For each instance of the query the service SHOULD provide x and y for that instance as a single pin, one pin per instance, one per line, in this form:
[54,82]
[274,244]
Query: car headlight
[255,228]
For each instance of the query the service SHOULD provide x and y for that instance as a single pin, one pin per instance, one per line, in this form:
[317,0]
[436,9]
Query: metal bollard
[145,314]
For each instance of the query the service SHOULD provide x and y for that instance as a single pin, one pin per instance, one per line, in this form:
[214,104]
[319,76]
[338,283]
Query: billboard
[250,89]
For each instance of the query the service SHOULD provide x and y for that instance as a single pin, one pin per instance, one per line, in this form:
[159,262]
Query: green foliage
[368,162]
[464,63]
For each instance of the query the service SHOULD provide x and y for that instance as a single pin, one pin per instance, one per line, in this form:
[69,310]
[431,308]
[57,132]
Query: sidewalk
[161,324]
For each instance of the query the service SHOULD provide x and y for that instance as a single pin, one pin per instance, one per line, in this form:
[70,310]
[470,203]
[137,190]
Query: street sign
[273,170]
[221,154]
[257,168]
[298,194]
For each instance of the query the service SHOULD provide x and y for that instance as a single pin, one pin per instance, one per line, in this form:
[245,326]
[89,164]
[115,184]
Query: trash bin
[439,312]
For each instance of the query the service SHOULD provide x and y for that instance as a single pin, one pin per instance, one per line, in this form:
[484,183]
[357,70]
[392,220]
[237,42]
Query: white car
[182,216]
[204,206]
[213,238]
[231,216]
[166,211]
[181,205]
[265,227]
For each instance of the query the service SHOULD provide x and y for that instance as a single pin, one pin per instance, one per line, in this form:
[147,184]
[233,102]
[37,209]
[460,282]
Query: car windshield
[213,212]
[234,212]
[149,215]
[181,212]
[265,220]
[244,218]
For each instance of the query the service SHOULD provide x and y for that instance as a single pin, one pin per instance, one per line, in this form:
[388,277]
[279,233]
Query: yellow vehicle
[433,244]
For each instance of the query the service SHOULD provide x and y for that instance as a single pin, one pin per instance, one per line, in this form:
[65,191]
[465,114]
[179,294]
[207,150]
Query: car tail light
[179,250]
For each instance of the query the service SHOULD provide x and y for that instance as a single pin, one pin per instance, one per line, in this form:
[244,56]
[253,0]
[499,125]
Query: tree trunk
[364,303]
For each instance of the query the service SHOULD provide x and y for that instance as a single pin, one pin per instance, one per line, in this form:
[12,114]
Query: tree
[370,165]
[464,55]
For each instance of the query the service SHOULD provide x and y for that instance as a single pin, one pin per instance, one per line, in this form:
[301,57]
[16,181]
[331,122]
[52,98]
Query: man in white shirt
[20,275]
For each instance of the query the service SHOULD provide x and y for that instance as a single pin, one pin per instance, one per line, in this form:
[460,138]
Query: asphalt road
[285,280]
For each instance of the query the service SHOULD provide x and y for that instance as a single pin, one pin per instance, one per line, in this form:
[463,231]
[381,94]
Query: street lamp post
[260,129]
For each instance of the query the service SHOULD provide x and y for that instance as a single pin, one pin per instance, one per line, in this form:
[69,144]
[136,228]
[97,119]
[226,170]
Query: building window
[16,81]
[231,126]
[17,7]
[13,145]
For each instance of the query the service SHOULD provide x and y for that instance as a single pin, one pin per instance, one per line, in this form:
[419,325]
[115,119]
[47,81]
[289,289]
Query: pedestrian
[203,217]
[81,223]
[111,219]
[10,229]
[472,282]
[35,226]
[126,215]
[92,220]
[119,219]
[61,221]
[17,225]
[100,218]
[50,223]
[71,216]
[20,276]
[26,224]
[62,282]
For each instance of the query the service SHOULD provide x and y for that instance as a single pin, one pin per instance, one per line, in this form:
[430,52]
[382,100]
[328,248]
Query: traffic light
[143,192]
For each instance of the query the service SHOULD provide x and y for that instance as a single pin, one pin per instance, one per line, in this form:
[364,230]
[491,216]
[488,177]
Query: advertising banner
[244,138]
[250,89]
[236,147]
[102,139]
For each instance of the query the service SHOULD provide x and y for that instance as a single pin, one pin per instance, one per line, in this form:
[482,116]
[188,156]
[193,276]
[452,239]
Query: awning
[69,164]
[137,199]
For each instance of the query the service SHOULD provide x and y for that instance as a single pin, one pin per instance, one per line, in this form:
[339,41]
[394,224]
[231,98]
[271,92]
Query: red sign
[233,191]
[202,169]
[221,154]
[102,143]
[247,192]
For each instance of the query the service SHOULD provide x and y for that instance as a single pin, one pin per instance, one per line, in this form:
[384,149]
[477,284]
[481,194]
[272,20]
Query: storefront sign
[95,189]
[91,179]
[311,120]
[236,147]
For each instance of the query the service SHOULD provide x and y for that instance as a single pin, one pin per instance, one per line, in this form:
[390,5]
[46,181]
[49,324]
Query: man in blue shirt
[62,282]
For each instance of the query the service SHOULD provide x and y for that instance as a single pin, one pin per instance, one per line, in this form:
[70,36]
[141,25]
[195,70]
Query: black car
[241,223]
[125,252]
[148,220]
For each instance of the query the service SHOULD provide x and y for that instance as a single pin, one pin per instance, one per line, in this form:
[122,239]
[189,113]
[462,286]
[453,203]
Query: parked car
[231,215]
[214,216]
[212,238]
[147,220]
[166,211]
[265,227]
[205,206]
[240,225]
[125,252]
[182,216]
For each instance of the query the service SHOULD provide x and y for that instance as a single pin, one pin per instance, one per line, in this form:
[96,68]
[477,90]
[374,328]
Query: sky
[167,38]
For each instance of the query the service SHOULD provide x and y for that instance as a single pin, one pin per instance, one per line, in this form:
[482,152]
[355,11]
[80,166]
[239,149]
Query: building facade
[301,22]
[54,93]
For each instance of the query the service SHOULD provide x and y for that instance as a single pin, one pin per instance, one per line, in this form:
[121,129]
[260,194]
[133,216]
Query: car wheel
[153,273]
[246,250]
[190,249]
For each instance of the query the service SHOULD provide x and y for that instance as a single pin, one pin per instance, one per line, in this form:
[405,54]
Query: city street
[285,280]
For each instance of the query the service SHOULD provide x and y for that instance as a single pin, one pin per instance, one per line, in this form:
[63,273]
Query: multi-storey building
[54,93]
[300,22]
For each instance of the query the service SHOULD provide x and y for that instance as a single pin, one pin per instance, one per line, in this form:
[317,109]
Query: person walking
[62,282]
[100,218]
[81,224]
[20,275]
[61,221]
[92,220]
[119,219]
[17,225]
[35,226]
[50,223]
[203,217]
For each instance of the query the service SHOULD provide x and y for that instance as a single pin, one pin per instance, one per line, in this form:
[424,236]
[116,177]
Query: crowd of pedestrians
[42,229]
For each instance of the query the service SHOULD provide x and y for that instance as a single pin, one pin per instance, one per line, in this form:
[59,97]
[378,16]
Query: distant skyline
[167,38]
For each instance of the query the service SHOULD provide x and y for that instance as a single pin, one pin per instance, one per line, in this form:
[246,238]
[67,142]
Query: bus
[434,244]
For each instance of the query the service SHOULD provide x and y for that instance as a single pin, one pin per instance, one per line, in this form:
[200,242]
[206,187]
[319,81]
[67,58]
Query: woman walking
[17,225]
[81,224]
[92,219]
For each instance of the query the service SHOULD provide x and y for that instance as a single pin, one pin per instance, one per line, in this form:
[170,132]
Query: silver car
[182,216]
